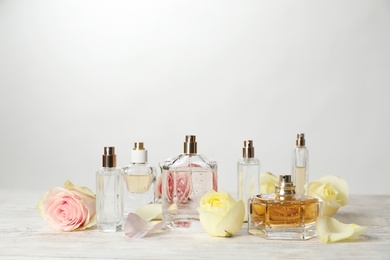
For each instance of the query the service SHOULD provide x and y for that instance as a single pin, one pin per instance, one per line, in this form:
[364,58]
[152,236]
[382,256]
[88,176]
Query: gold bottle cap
[285,186]
[300,142]
[139,146]
[109,157]
[190,145]
[248,151]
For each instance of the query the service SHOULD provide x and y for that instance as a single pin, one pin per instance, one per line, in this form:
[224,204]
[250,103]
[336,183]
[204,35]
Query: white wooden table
[24,234]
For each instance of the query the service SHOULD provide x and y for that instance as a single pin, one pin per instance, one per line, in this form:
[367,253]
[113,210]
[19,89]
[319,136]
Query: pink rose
[158,187]
[69,208]
[182,187]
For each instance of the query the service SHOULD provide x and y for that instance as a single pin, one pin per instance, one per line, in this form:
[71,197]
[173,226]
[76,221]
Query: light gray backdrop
[79,75]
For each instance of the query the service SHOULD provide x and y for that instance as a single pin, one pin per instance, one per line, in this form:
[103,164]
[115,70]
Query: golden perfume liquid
[283,215]
[300,179]
[139,183]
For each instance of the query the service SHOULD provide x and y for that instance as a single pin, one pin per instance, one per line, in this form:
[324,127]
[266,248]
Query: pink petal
[137,227]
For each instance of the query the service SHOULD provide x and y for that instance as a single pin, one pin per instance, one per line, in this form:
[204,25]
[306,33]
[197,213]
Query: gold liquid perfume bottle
[248,174]
[300,165]
[283,214]
[139,178]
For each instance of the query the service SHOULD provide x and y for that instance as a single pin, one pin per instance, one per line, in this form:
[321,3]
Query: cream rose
[267,183]
[219,214]
[69,208]
[331,190]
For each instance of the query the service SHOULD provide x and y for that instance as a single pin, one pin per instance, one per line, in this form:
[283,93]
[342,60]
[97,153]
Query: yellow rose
[267,183]
[220,215]
[332,191]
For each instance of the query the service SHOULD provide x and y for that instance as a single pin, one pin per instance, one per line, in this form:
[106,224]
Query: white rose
[219,214]
[332,191]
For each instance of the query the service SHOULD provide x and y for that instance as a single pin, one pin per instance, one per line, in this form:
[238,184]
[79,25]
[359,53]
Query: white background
[76,76]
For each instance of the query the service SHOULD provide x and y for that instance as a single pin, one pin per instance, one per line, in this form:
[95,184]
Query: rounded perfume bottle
[139,178]
[185,179]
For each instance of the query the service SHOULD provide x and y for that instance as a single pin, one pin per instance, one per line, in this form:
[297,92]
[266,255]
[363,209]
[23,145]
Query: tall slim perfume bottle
[109,194]
[139,178]
[300,164]
[185,179]
[248,173]
[283,214]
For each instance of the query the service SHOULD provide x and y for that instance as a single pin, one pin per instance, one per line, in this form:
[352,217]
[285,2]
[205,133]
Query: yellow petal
[209,222]
[267,183]
[327,209]
[40,205]
[232,222]
[331,230]
[70,186]
[150,212]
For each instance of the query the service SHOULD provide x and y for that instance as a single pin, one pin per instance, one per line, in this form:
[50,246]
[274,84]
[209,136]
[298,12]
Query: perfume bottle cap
[190,145]
[139,154]
[300,142]
[248,151]
[109,157]
[285,187]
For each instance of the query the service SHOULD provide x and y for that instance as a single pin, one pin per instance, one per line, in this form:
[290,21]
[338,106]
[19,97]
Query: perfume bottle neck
[285,193]
[285,189]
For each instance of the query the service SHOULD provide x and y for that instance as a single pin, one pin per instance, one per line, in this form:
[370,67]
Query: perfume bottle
[248,173]
[185,179]
[139,178]
[283,214]
[109,194]
[300,165]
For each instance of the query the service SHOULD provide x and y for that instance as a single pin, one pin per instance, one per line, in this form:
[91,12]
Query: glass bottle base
[181,222]
[109,227]
[302,233]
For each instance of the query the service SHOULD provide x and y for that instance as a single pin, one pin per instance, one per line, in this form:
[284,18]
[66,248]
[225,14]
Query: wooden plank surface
[24,235]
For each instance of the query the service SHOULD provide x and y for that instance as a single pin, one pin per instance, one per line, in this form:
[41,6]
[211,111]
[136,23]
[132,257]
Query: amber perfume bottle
[248,174]
[139,178]
[185,179]
[283,214]
[300,164]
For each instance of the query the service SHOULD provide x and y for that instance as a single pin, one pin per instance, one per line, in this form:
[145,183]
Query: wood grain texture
[24,235]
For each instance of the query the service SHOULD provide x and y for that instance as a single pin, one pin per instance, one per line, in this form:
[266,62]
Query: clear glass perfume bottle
[185,179]
[139,178]
[300,165]
[283,214]
[248,173]
[109,194]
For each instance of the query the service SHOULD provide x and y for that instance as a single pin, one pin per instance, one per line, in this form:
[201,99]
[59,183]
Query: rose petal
[150,211]
[232,222]
[137,227]
[70,186]
[331,230]
[220,214]
[267,183]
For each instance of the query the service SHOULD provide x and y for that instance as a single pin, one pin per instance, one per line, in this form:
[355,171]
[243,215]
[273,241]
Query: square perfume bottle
[185,179]
[283,214]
